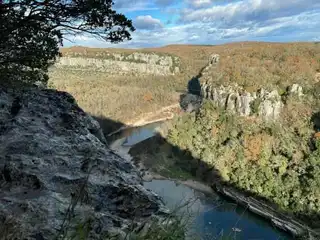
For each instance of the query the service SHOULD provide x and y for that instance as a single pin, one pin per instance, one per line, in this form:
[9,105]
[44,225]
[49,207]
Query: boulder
[214,59]
[296,89]
[57,174]
[271,105]
[245,104]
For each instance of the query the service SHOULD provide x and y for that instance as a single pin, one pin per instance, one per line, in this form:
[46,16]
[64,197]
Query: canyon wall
[123,63]
[262,103]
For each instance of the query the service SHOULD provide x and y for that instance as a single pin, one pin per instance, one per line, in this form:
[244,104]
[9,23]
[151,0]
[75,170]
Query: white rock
[140,63]
[214,59]
[296,89]
[230,98]
[246,99]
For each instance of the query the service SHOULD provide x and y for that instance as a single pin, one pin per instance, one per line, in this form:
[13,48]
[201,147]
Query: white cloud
[218,21]
[80,38]
[143,38]
[194,37]
[199,3]
[248,10]
[300,27]
[147,22]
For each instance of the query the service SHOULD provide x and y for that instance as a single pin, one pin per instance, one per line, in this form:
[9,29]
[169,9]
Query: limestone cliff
[263,103]
[121,63]
[57,174]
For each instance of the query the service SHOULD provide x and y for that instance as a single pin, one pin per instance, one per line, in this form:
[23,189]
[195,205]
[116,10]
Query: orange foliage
[317,135]
[253,146]
[214,131]
[148,97]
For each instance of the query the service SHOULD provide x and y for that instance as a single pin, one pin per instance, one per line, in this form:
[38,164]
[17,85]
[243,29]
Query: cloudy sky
[163,22]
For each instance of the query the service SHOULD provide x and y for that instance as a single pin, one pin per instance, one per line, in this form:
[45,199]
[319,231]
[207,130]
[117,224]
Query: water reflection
[212,216]
[134,135]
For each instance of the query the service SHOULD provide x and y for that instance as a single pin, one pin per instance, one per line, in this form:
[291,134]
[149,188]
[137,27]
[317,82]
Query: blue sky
[163,22]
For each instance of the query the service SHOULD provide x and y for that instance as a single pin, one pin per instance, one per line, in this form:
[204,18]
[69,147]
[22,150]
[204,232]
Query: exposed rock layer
[56,169]
[116,63]
[263,103]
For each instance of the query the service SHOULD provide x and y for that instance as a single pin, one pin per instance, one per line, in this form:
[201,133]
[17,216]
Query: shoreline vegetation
[254,204]
[174,160]
[276,162]
[62,179]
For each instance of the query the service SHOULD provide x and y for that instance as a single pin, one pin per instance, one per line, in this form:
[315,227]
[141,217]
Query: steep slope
[125,95]
[266,104]
[137,63]
[56,173]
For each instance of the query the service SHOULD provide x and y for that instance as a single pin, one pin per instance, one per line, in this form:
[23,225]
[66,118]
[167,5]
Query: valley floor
[120,98]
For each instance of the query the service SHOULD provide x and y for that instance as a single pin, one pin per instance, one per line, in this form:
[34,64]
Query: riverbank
[159,160]
[161,115]
[193,184]
[265,210]
[260,208]
[169,188]
[151,154]
[118,98]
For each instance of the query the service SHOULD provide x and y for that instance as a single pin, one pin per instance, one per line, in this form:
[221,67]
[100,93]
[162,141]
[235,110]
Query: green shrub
[274,161]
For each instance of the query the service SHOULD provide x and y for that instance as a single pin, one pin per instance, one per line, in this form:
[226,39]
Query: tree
[31,32]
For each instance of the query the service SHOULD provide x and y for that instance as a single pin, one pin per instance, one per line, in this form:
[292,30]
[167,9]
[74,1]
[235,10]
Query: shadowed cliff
[56,172]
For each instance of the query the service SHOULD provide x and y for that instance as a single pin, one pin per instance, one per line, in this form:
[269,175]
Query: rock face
[296,89]
[214,58]
[263,103]
[116,63]
[56,172]
[190,102]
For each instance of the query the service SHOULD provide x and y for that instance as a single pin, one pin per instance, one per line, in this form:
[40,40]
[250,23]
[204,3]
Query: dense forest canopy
[279,161]
[31,32]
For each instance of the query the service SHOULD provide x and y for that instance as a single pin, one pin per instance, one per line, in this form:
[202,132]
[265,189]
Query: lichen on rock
[57,174]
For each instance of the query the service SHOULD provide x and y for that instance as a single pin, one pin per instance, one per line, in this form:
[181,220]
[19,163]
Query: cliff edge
[136,63]
[57,174]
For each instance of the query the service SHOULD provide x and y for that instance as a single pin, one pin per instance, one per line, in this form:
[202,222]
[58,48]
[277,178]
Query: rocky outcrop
[214,59]
[56,173]
[116,63]
[296,89]
[190,102]
[262,103]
